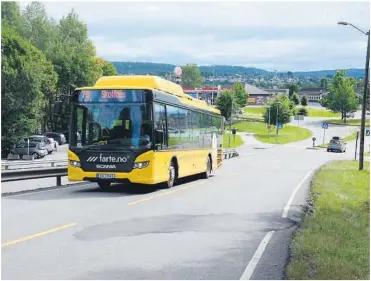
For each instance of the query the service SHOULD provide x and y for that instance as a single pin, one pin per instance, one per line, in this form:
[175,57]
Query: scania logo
[108,159]
[103,166]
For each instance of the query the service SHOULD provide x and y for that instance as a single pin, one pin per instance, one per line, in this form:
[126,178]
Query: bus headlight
[74,163]
[140,165]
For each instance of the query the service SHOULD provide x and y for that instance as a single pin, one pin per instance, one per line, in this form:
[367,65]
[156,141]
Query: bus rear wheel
[103,185]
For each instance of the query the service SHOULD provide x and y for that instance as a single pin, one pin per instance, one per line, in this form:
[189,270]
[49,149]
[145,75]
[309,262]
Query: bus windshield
[112,125]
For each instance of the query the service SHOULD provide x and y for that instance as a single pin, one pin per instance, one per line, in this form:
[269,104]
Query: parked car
[37,149]
[53,143]
[60,138]
[350,115]
[67,135]
[42,139]
[336,145]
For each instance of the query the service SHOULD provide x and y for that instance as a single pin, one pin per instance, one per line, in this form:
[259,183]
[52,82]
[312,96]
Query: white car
[53,143]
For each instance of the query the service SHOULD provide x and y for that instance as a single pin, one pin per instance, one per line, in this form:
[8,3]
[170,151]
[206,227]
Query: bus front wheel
[104,184]
[171,177]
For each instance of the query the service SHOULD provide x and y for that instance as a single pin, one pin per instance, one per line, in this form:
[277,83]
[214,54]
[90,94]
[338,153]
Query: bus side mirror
[159,134]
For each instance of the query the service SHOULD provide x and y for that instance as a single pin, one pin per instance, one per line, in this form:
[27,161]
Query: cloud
[276,35]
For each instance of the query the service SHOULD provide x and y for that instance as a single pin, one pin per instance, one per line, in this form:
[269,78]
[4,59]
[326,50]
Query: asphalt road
[201,229]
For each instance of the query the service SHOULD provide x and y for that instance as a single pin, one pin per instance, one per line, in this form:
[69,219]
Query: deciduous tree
[304,101]
[240,94]
[191,76]
[284,111]
[341,97]
[225,102]
[26,76]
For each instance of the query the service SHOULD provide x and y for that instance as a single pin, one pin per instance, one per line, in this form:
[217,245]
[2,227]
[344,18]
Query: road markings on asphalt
[256,257]
[23,239]
[287,207]
[164,193]
[177,190]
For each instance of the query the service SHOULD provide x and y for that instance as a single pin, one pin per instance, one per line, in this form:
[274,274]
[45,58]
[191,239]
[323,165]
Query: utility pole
[363,120]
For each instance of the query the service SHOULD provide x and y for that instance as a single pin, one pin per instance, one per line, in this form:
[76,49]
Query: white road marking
[287,207]
[255,259]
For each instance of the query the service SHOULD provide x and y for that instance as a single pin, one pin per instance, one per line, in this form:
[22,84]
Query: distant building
[259,96]
[208,94]
[313,94]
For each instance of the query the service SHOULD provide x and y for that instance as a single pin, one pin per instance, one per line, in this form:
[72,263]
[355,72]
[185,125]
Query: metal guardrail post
[59,181]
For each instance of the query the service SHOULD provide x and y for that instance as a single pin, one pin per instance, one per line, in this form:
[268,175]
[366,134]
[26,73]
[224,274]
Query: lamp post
[230,122]
[363,120]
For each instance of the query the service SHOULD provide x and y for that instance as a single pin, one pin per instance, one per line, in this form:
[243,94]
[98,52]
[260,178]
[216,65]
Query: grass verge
[367,153]
[334,240]
[236,141]
[313,112]
[350,122]
[286,135]
[255,110]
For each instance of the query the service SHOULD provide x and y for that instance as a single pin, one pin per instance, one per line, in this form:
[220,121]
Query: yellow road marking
[164,193]
[173,191]
[37,235]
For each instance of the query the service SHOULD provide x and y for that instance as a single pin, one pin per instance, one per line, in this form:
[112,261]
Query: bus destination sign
[113,96]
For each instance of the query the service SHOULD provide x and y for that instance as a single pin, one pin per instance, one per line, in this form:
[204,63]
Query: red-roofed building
[209,94]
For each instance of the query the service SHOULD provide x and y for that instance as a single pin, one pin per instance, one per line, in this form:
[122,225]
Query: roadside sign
[324,125]
[367,131]
[279,126]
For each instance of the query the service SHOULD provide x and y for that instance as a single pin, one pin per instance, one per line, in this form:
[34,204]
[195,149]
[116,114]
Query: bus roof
[149,82]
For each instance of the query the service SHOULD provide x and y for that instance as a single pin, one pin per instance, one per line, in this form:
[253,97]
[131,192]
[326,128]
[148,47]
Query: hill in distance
[162,69]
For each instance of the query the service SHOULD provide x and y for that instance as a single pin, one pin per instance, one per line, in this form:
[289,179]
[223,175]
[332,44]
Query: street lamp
[363,120]
[230,123]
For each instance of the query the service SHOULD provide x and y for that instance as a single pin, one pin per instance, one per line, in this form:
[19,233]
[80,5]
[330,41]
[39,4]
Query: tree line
[43,61]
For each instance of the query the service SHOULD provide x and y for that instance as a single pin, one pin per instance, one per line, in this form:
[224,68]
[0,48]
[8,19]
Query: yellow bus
[141,129]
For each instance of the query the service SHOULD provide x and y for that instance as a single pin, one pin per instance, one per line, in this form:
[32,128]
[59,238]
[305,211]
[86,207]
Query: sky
[272,35]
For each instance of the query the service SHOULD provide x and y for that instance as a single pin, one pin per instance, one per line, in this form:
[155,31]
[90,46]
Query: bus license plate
[106,176]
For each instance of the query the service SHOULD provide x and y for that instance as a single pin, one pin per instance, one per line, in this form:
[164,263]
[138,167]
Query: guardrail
[53,163]
[18,175]
[61,171]
[229,153]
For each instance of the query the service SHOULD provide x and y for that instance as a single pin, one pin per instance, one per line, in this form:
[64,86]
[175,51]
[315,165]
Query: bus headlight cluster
[74,163]
[141,165]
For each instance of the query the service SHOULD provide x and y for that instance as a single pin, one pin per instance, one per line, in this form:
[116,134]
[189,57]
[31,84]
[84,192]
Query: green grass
[313,112]
[350,122]
[352,136]
[286,135]
[255,110]
[236,141]
[367,153]
[334,240]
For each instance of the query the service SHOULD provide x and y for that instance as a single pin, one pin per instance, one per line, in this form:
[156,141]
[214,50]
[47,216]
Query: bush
[302,111]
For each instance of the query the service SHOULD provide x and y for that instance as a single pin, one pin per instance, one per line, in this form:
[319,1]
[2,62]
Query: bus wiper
[95,146]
